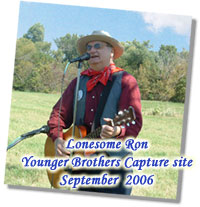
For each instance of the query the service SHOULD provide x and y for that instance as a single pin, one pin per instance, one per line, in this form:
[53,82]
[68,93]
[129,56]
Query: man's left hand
[109,131]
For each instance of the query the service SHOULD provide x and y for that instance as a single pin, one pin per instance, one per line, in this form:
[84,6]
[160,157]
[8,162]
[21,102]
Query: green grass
[162,127]
[29,111]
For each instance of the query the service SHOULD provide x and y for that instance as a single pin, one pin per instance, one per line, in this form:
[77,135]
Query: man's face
[101,54]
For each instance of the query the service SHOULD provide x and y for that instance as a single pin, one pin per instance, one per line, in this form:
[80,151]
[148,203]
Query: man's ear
[112,53]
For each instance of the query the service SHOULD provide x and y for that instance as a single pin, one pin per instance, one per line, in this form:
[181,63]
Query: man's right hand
[60,148]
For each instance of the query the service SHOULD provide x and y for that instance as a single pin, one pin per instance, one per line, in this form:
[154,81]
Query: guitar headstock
[125,117]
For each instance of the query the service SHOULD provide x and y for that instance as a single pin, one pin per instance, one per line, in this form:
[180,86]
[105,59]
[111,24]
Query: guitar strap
[103,99]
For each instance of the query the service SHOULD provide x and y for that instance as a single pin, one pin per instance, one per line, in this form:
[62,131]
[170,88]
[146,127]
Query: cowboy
[103,50]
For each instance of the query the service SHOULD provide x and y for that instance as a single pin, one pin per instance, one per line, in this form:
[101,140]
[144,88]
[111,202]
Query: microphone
[83,57]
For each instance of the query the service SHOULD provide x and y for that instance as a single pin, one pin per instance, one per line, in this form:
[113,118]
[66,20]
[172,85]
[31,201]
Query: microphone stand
[75,108]
[45,128]
[76,96]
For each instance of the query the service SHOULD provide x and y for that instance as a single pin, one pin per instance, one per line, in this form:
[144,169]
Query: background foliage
[161,75]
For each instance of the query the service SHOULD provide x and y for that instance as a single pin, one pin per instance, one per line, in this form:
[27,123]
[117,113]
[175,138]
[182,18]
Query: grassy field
[162,127]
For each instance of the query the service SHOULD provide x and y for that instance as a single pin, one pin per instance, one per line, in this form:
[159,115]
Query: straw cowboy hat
[100,36]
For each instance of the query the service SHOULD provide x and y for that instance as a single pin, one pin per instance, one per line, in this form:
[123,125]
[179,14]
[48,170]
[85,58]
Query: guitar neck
[95,134]
[123,117]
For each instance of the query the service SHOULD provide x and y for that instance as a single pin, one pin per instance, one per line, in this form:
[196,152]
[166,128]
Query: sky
[124,25]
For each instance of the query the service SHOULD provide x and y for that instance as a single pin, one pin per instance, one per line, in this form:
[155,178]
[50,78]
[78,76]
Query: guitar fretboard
[123,117]
[94,134]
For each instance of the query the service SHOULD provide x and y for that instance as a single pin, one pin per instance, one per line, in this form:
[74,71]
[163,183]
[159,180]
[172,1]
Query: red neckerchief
[100,76]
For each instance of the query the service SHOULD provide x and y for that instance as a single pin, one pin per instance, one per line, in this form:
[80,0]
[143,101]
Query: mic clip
[81,58]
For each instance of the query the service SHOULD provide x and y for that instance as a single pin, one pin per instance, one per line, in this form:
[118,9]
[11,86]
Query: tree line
[161,75]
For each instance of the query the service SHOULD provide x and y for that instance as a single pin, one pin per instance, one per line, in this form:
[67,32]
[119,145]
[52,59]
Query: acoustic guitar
[125,117]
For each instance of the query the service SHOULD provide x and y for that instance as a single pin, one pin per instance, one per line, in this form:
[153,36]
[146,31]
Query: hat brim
[83,41]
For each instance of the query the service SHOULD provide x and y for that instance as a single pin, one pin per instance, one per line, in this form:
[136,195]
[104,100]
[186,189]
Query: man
[103,50]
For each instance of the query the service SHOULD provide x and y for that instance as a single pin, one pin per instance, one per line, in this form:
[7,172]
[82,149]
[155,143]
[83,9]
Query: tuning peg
[120,113]
[133,122]
[116,117]
[118,123]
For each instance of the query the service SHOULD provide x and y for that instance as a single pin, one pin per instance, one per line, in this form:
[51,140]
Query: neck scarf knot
[100,76]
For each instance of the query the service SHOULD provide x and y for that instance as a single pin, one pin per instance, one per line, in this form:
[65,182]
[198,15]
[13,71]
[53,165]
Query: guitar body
[123,117]
[49,151]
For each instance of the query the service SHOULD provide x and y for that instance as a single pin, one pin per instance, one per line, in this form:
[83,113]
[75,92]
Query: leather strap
[103,99]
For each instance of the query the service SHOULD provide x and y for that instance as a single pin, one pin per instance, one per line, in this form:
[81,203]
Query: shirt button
[91,123]
[92,109]
[93,97]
